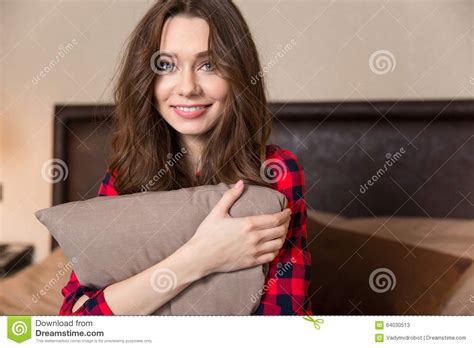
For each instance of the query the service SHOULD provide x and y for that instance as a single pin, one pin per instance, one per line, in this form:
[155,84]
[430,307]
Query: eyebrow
[197,55]
[202,54]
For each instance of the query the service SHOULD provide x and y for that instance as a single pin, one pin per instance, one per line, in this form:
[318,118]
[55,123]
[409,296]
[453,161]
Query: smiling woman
[185,86]
[182,55]
[188,86]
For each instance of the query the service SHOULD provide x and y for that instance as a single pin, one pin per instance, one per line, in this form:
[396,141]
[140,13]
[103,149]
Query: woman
[188,84]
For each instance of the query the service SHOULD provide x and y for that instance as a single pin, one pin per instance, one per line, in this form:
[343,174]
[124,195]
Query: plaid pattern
[73,291]
[287,282]
[289,274]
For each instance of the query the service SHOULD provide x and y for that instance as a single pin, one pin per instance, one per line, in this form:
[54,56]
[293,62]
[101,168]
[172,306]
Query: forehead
[185,36]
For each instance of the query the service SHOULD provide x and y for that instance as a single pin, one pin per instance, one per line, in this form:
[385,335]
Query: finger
[228,199]
[272,233]
[270,246]
[265,221]
[265,258]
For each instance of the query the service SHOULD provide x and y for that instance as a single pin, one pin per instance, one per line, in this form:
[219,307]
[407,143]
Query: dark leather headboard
[340,146]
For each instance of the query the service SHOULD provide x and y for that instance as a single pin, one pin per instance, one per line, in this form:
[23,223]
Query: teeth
[190,109]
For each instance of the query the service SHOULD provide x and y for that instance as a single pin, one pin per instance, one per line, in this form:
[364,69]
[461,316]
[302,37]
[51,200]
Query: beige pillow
[111,238]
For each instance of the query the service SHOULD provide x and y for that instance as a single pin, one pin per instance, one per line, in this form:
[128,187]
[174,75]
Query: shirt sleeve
[74,290]
[287,282]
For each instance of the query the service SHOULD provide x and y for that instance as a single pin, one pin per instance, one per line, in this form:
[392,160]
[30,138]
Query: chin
[191,130]
[190,127]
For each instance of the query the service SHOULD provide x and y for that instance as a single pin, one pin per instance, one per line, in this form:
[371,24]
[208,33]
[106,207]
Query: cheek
[163,89]
[216,88]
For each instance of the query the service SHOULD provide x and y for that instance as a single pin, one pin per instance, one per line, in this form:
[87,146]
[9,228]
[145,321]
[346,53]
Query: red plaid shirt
[287,282]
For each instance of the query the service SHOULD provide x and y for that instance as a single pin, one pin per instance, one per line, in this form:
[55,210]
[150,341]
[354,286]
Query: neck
[193,145]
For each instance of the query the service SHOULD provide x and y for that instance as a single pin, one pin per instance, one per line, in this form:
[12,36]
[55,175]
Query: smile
[194,108]
[190,111]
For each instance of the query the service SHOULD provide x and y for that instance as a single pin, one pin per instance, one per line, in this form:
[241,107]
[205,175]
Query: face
[189,92]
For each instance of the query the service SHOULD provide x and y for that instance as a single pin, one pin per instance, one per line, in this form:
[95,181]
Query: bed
[408,224]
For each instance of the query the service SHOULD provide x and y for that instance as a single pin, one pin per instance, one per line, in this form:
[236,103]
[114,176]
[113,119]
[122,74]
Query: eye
[208,66]
[165,65]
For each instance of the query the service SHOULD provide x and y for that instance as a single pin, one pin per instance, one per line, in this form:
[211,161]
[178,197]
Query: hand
[228,244]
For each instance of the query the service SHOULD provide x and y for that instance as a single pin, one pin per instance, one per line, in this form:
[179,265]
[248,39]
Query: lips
[190,105]
[190,110]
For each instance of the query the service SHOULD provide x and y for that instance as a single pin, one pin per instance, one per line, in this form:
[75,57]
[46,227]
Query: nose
[188,85]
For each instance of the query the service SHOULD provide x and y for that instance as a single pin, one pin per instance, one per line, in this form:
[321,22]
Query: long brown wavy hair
[146,152]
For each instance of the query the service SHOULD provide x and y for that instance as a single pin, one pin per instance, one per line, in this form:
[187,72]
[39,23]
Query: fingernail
[239,184]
